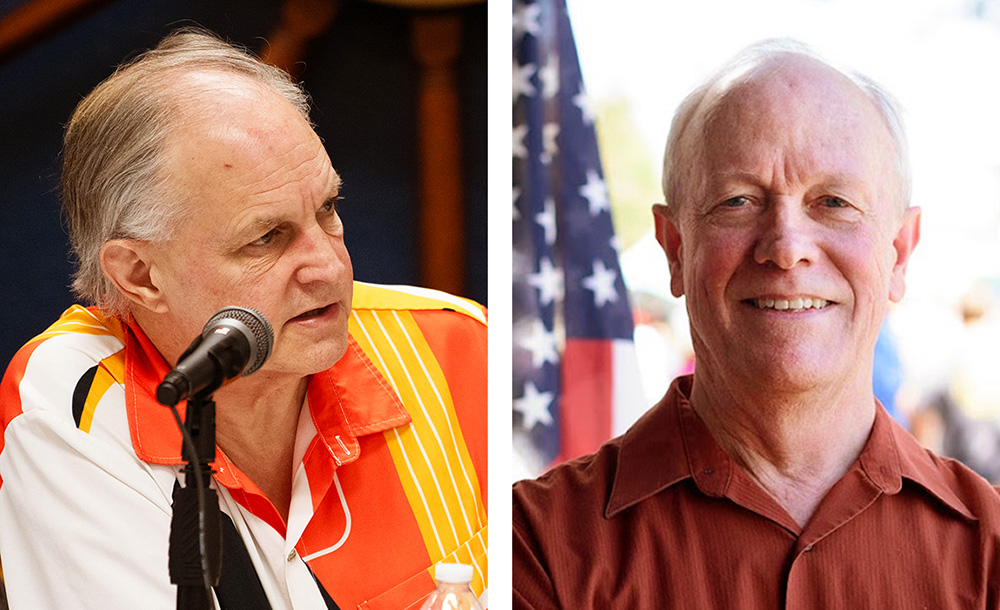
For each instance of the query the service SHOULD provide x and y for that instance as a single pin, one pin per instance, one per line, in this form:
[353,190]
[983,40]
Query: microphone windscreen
[261,335]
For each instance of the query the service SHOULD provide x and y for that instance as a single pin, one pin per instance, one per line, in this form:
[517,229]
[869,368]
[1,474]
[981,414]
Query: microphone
[235,341]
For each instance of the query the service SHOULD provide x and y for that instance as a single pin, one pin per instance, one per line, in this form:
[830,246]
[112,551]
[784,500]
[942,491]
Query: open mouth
[795,304]
[313,313]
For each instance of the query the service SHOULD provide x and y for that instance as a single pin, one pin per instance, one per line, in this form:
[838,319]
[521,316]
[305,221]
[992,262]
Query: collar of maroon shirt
[670,444]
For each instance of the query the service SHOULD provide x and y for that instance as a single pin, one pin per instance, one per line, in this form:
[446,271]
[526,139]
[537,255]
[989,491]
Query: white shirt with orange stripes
[390,455]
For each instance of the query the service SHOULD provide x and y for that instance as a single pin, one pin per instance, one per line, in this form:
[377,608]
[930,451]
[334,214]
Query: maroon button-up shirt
[661,518]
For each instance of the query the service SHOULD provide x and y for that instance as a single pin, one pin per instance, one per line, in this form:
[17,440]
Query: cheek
[866,260]
[208,284]
[185,279]
[713,261]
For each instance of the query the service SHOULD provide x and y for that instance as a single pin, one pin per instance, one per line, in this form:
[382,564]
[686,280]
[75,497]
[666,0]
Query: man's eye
[330,204]
[265,239]
[735,202]
[834,202]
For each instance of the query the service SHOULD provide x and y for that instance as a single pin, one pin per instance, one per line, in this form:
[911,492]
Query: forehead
[237,140]
[233,114]
[800,111]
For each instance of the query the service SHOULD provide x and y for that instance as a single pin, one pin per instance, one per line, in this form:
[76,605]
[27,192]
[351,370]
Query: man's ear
[670,240]
[126,263]
[905,241]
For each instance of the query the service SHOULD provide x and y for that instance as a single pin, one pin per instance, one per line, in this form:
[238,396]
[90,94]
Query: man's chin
[313,359]
[793,375]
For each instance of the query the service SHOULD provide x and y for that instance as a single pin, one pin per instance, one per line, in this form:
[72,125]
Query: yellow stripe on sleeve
[79,320]
[430,454]
[111,371]
[473,553]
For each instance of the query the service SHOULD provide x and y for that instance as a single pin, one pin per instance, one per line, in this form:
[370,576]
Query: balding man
[771,478]
[347,466]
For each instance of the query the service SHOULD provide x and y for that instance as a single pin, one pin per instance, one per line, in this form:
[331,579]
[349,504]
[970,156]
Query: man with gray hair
[771,477]
[346,467]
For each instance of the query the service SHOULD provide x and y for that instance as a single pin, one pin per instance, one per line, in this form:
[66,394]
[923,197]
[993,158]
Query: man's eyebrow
[257,226]
[334,193]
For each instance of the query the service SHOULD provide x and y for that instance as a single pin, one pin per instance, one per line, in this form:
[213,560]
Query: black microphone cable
[202,511]
[236,341]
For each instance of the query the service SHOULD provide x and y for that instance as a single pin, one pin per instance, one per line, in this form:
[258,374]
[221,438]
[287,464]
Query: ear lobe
[903,244]
[126,263]
[669,237]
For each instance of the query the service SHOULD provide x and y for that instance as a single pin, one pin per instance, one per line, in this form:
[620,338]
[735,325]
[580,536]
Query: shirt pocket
[409,594]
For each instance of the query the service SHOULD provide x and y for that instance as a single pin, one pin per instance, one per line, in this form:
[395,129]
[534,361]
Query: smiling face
[261,230]
[793,241]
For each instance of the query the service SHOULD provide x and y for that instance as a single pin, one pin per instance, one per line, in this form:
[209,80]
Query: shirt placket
[848,499]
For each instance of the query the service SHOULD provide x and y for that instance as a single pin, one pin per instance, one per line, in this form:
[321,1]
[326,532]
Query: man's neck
[256,422]
[256,417]
[796,445]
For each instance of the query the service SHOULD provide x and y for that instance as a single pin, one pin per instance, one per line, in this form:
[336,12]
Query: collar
[672,436]
[349,400]
[913,462]
[655,438]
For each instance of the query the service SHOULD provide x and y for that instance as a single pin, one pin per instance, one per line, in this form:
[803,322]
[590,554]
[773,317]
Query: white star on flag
[534,406]
[519,150]
[527,19]
[596,193]
[522,80]
[516,213]
[548,281]
[549,76]
[542,345]
[549,134]
[601,283]
[547,220]
[581,101]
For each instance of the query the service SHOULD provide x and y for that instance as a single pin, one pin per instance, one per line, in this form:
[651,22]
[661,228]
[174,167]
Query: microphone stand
[195,557]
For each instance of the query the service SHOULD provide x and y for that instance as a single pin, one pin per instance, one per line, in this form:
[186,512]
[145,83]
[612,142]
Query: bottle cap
[452,572]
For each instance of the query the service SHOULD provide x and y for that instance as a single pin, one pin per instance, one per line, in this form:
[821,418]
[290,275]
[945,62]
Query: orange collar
[348,400]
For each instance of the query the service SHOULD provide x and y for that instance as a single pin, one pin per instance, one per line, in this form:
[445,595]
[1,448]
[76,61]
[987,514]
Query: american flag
[574,360]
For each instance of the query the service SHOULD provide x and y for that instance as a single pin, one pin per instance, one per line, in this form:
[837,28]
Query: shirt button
[292,555]
[808,548]
[707,471]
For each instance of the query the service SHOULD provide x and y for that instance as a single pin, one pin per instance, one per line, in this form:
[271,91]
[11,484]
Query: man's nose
[321,257]
[786,236]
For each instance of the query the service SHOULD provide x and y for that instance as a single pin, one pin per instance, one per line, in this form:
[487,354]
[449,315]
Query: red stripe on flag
[585,412]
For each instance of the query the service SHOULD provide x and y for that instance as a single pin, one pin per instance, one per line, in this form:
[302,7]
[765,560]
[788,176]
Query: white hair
[679,162]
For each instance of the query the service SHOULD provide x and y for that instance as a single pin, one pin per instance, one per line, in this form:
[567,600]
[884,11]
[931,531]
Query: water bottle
[453,591]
